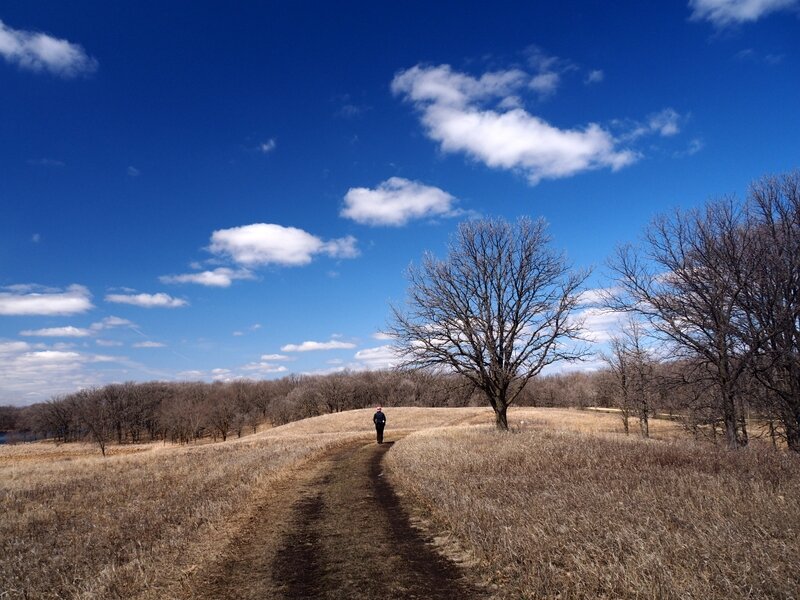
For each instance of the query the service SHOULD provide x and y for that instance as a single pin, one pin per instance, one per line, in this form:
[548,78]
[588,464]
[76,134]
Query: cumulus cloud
[396,201]
[36,51]
[68,331]
[220,277]
[724,13]
[456,110]
[270,244]
[24,301]
[310,346]
[147,300]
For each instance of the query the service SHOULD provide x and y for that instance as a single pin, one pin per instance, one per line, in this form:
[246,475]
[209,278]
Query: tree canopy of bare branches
[497,309]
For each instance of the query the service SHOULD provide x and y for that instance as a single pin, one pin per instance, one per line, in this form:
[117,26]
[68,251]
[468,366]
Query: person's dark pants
[379,431]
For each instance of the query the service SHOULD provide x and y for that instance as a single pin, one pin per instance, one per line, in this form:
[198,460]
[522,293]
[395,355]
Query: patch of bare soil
[338,532]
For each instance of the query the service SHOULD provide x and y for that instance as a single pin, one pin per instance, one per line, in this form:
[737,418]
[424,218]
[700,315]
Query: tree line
[713,336]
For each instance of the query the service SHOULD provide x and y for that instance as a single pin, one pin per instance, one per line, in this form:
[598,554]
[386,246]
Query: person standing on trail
[380,422]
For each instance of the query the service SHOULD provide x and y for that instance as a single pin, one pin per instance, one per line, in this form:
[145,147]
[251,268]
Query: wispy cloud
[36,51]
[159,300]
[67,331]
[457,111]
[595,76]
[26,300]
[269,244]
[725,13]
[46,162]
[268,146]
[311,346]
[149,344]
[220,277]
[396,201]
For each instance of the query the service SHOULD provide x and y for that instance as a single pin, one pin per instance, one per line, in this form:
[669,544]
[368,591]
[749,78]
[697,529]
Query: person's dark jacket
[379,419]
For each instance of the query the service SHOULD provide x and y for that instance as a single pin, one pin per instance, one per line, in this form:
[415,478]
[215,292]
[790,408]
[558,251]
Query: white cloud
[133,172]
[381,357]
[267,243]
[268,357]
[310,346]
[147,300]
[600,324]
[35,51]
[31,373]
[107,343]
[396,201]
[264,368]
[68,331]
[380,335]
[110,322]
[454,113]
[220,277]
[665,122]
[723,13]
[149,344]
[268,146]
[545,84]
[21,301]
[595,76]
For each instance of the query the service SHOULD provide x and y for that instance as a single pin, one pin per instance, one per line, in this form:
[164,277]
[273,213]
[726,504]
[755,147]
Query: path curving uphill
[337,531]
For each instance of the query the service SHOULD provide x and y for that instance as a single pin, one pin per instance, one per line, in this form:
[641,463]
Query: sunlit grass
[566,509]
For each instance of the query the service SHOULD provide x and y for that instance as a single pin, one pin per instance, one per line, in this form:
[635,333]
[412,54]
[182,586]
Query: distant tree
[497,310]
[95,409]
[633,372]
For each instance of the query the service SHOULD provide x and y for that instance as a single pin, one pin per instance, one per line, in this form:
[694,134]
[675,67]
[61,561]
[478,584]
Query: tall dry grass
[75,525]
[553,512]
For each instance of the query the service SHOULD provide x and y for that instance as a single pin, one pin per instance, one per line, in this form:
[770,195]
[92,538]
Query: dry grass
[564,506]
[556,512]
[75,525]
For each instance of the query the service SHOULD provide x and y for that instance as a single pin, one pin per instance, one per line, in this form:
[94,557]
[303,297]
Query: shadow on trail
[352,538]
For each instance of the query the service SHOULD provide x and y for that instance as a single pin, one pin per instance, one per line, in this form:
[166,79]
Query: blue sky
[196,190]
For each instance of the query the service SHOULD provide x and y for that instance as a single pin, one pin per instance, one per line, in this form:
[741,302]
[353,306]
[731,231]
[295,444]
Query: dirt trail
[337,531]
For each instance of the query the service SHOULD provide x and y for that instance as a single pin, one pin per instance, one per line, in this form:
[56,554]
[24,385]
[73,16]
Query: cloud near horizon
[36,51]
[311,346]
[395,202]
[456,111]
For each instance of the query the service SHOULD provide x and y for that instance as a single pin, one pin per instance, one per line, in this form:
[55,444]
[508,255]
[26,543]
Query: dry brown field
[565,506]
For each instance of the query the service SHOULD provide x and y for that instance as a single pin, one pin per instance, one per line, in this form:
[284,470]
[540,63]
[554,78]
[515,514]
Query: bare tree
[687,282]
[95,409]
[632,369]
[772,297]
[497,309]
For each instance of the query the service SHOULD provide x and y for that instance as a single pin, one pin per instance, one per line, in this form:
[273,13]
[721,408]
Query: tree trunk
[500,417]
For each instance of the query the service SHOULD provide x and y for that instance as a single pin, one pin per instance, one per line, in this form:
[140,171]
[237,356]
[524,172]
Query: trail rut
[337,531]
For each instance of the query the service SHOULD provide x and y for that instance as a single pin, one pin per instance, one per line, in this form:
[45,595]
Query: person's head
[378,409]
